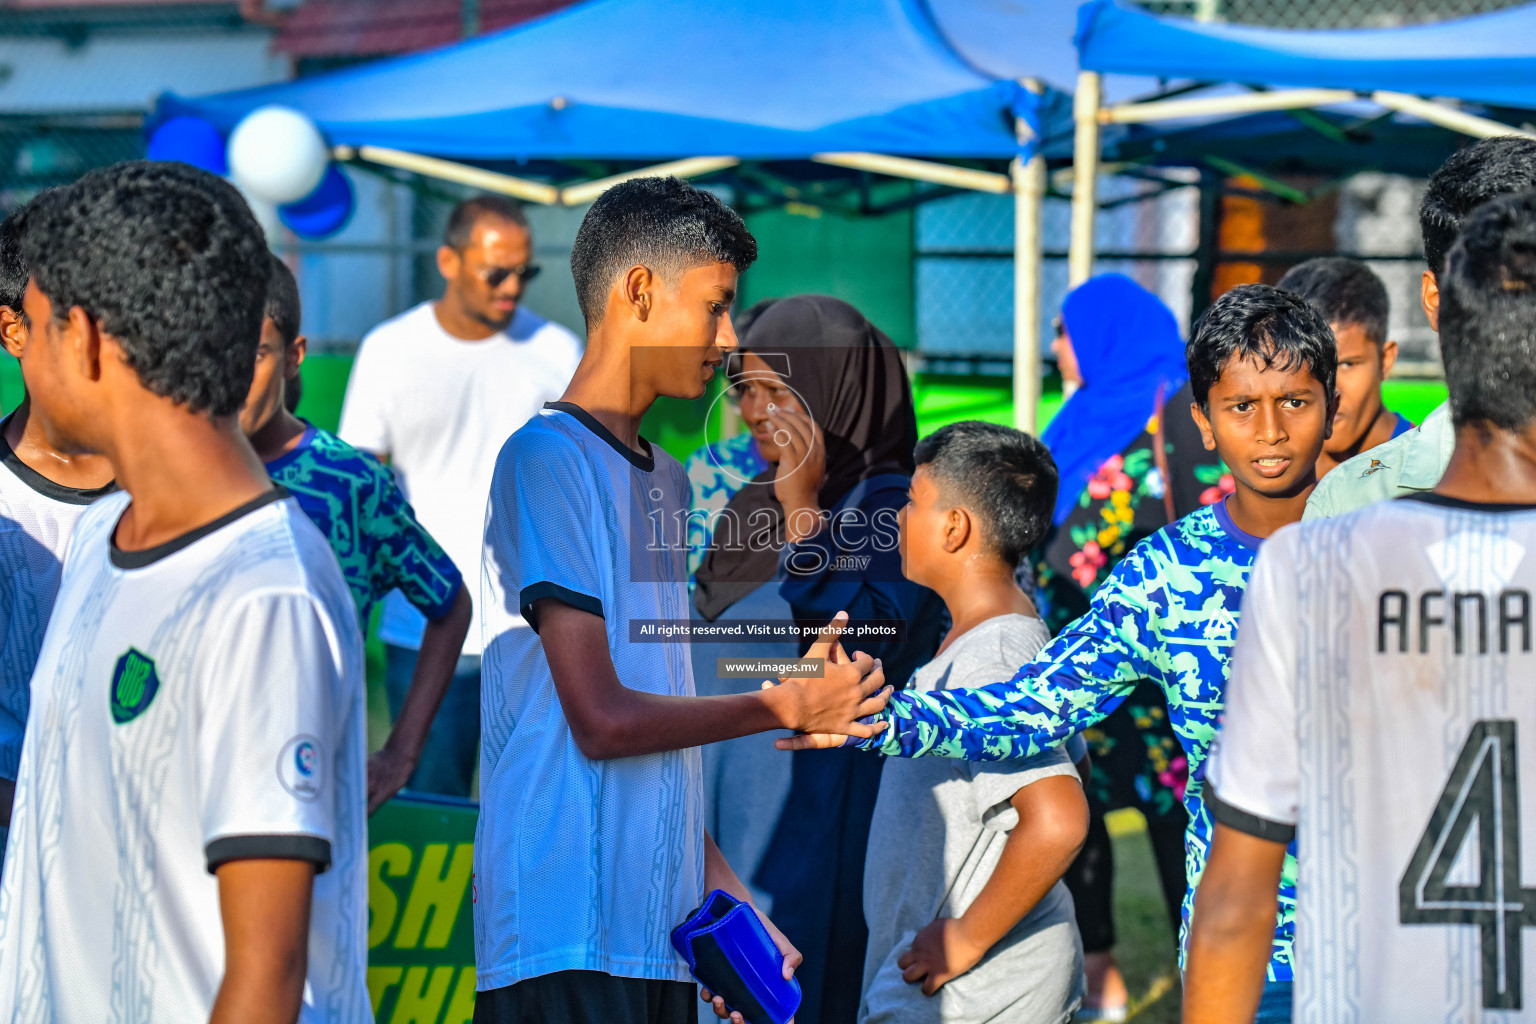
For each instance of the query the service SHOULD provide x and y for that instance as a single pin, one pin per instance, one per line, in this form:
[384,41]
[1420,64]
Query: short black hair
[282,306]
[13,268]
[662,223]
[1004,477]
[1281,330]
[1503,165]
[469,212]
[1345,291]
[170,261]
[1488,315]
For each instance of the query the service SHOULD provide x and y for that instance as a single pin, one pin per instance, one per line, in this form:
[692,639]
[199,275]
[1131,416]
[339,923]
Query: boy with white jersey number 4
[42,494]
[187,842]
[590,846]
[1381,709]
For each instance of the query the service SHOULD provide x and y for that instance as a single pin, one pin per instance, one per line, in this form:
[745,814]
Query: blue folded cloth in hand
[730,953]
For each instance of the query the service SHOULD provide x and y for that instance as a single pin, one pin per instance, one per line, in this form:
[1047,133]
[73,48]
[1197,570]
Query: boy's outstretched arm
[265,909]
[608,719]
[1053,822]
[719,875]
[1232,928]
[1073,682]
[441,642]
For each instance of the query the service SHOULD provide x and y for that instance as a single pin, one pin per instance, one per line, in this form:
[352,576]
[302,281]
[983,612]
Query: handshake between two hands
[824,711]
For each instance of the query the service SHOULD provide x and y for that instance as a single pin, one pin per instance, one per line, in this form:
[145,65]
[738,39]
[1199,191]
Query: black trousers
[588,997]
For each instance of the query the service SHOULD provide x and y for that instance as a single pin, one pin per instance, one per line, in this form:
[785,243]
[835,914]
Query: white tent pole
[919,170]
[1208,106]
[692,167]
[1447,117]
[448,170]
[1085,173]
[1028,181]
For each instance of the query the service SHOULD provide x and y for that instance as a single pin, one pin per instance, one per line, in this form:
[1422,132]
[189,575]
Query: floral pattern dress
[1137,759]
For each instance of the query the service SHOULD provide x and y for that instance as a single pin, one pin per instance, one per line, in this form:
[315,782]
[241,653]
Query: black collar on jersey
[646,462]
[139,559]
[1431,498]
[41,484]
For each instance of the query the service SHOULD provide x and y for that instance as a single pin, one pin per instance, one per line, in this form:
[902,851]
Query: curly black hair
[1488,315]
[170,261]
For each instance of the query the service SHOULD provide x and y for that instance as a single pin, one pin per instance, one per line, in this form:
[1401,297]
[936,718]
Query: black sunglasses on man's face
[496,276]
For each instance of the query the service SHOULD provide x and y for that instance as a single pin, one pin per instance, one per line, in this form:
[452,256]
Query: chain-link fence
[964,247]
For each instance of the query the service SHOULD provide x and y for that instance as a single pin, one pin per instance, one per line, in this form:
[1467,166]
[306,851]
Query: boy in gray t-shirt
[968,918]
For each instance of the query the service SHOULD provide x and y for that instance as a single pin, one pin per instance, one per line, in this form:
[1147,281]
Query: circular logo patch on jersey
[134,685]
[300,767]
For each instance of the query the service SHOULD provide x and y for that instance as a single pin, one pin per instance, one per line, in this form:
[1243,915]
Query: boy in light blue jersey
[1262,367]
[590,846]
[372,530]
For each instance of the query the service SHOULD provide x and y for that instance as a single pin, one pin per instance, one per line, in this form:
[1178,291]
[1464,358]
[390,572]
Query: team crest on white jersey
[134,685]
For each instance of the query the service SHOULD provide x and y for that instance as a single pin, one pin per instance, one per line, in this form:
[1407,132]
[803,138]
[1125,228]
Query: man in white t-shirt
[43,491]
[1381,678]
[188,838]
[435,392]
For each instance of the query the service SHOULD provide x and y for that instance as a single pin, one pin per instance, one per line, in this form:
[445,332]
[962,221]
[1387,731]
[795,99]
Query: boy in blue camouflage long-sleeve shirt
[1262,367]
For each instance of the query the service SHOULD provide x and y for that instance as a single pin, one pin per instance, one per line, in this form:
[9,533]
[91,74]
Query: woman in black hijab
[827,398]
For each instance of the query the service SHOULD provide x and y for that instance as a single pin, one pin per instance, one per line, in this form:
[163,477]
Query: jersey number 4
[1482,794]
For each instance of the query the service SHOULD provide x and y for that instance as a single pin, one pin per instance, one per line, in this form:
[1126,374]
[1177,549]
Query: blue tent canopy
[1489,58]
[655,79]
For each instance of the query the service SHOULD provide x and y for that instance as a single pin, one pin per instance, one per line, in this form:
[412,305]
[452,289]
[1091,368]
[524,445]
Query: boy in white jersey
[1381,681]
[590,846]
[43,491]
[194,752]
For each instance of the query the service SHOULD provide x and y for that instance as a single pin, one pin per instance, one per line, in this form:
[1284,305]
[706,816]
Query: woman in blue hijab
[1131,461]
[1122,346]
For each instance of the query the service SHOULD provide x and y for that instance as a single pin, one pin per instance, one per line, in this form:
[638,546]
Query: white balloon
[277,154]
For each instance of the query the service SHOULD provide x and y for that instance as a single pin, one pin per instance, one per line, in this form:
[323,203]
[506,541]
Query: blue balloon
[324,211]
[190,140]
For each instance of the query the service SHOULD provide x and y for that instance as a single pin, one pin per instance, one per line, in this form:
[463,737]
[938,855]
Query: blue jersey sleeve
[1075,681]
